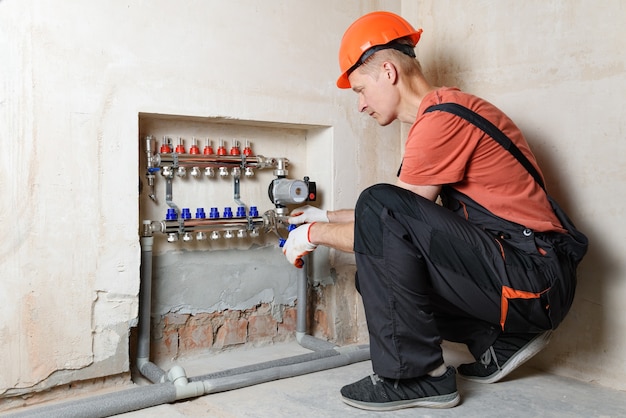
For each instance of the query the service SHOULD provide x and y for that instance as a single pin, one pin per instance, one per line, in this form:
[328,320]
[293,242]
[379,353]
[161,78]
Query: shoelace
[376,379]
[485,359]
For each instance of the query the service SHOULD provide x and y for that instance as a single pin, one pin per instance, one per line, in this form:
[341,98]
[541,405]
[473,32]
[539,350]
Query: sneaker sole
[442,401]
[524,354]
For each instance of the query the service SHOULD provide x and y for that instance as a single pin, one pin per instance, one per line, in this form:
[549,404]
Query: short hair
[408,65]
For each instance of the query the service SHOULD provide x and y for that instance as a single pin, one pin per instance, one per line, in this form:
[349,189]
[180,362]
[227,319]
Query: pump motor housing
[283,191]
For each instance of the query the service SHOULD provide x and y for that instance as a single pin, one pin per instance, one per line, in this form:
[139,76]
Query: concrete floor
[524,393]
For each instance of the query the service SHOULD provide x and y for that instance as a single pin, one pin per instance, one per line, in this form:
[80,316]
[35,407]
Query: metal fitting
[195,172]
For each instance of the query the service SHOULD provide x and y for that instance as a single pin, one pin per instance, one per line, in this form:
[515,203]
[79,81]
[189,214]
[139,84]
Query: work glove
[307,214]
[298,245]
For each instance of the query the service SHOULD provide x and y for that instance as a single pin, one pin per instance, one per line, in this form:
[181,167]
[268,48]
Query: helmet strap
[404,48]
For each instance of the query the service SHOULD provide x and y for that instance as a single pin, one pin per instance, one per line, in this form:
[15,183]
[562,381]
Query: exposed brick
[261,328]
[165,347]
[175,319]
[197,333]
[179,334]
[233,332]
[322,328]
[262,309]
[288,325]
[287,328]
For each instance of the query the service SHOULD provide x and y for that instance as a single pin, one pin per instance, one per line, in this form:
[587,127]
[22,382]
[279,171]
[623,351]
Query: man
[490,268]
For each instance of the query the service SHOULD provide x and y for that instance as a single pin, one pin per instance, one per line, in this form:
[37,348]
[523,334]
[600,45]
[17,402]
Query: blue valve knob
[171,215]
[228,212]
[254,212]
[281,241]
[186,214]
[241,212]
[200,213]
[214,214]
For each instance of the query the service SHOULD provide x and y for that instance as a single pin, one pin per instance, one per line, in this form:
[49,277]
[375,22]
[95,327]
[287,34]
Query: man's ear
[390,72]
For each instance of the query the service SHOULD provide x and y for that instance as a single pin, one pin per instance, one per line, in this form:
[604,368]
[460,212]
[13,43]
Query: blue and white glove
[298,245]
[307,214]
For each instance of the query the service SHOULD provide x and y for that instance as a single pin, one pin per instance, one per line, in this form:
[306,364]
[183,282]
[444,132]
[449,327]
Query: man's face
[377,97]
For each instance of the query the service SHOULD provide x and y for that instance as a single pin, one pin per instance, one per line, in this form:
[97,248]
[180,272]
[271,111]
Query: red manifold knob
[208,149]
[247,151]
[221,150]
[180,147]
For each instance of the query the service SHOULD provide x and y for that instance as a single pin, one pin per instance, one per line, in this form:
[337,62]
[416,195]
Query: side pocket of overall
[575,243]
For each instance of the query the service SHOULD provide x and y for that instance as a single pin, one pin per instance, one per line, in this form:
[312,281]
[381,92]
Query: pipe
[301,297]
[150,370]
[174,385]
[145,298]
[306,341]
[106,405]
[287,361]
[282,372]
[161,393]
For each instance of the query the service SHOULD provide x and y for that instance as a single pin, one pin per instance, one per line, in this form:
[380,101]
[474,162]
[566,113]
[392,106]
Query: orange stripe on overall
[510,293]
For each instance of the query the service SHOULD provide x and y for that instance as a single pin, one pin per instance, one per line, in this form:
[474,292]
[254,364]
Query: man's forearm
[335,235]
[340,216]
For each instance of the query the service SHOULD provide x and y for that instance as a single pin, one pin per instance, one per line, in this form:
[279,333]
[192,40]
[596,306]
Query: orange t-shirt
[444,149]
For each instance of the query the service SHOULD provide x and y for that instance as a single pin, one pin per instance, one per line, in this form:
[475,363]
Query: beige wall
[76,75]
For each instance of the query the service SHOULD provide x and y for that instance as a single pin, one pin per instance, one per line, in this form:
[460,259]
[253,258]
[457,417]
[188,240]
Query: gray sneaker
[506,354]
[376,393]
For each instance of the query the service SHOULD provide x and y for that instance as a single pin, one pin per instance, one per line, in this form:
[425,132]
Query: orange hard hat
[377,29]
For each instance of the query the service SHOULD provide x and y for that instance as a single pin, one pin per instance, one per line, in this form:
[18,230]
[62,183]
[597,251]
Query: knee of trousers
[368,209]
[371,202]
[393,198]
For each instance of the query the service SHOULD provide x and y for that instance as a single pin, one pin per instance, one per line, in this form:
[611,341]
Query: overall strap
[491,130]
[575,244]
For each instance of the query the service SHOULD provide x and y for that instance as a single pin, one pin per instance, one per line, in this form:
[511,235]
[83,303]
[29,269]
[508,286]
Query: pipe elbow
[184,388]
[141,361]
[189,390]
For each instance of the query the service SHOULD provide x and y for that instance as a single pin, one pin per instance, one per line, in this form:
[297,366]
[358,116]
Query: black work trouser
[426,274]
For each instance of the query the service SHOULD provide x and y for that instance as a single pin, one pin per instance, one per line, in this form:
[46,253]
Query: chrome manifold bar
[198,160]
[194,225]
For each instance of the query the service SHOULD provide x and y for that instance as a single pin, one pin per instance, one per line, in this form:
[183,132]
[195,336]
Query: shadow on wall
[585,329]
[445,70]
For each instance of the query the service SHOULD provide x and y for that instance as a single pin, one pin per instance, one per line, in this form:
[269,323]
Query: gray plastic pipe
[174,385]
[305,340]
[150,370]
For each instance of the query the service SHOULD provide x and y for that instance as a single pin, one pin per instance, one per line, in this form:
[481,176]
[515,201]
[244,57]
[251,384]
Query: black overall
[427,273]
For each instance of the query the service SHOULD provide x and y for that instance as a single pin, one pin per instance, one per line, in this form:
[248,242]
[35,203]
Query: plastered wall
[76,78]
[77,75]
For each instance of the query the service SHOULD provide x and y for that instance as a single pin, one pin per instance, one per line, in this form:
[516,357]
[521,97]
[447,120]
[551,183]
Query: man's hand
[307,214]
[298,245]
